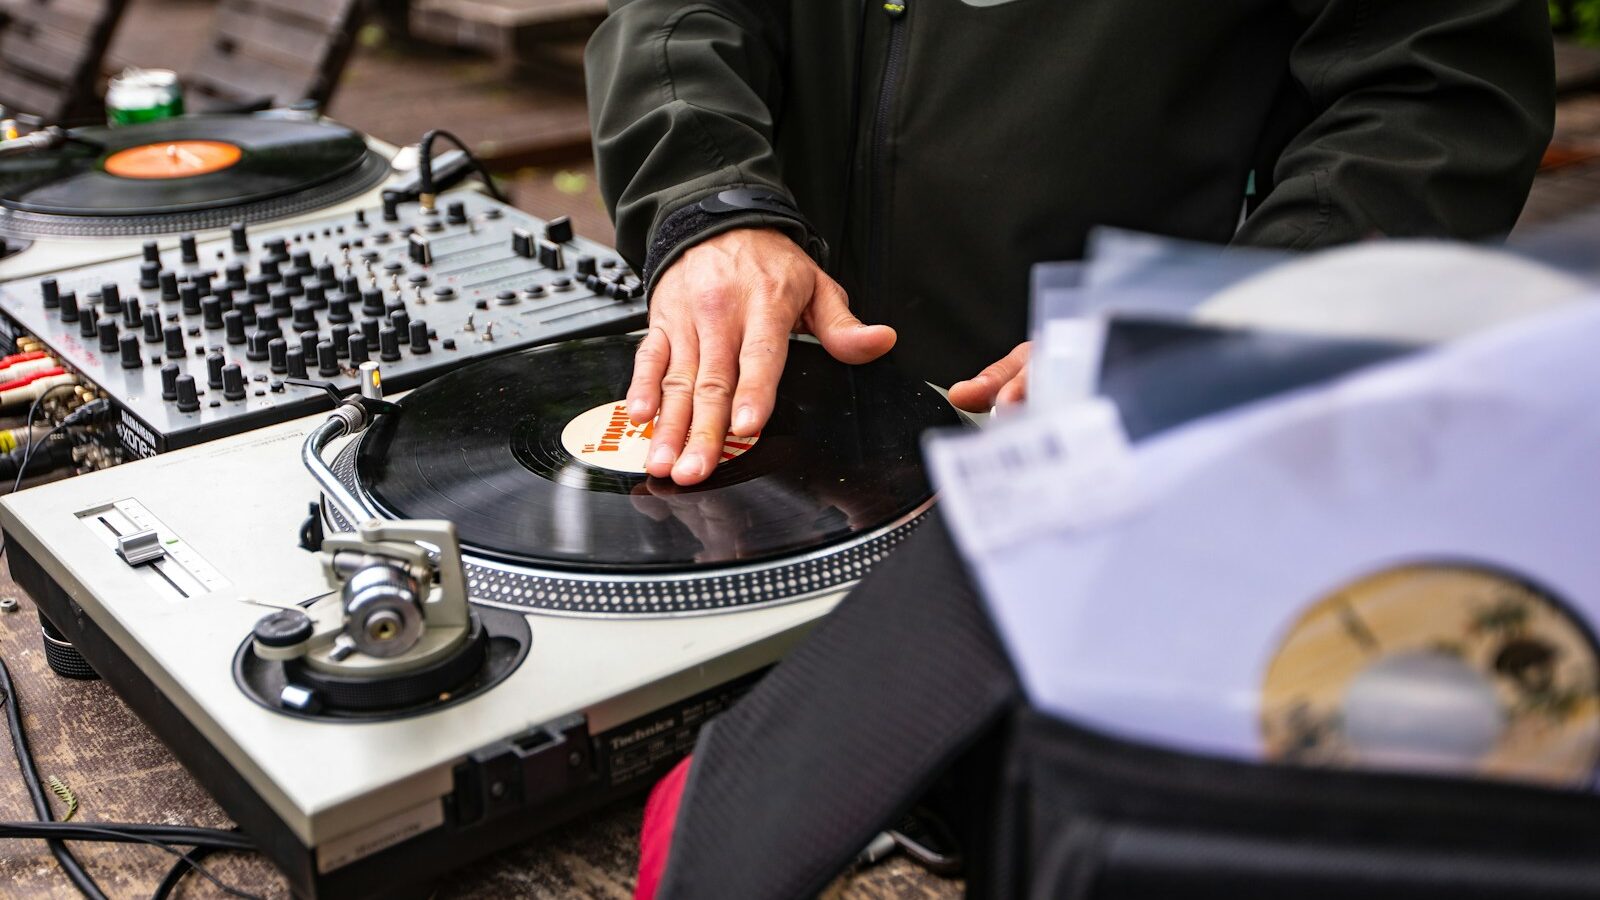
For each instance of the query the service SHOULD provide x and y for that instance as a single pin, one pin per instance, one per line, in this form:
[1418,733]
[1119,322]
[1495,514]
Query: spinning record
[179,165]
[532,457]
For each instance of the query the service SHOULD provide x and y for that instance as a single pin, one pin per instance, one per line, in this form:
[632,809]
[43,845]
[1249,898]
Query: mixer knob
[283,301]
[551,256]
[214,364]
[419,337]
[232,382]
[372,303]
[401,320]
[202,281]
[172,336]
[327,359]
[241,237]
[152,253]
[420,251]
[305,317]
[317,296]
[277,250]
[149,276]
[224,297]
[256,347]
[559,229]
[260,287]
[188,397]
[369,331]
[190,294]
[169,381]
[339,336]
[132,315]
[391,207]
[110,294]
[356,349]
[295,360]
[108,337]
[308,345]
[246,310]
[350,286]
[89,323]
[302,263]
[339,309]
[233,324]
[152,326]
[293,283]
[327,274]
[69,307]
[131,357]
[191,253]
[586,266]
[51,292]
[235,276]
[456,213]
[211,312]
[388,344]
[522,242]
[278,355]
[268,269]
[268,322]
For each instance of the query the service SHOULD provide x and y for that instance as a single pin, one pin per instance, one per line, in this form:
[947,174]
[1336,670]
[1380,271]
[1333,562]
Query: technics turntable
[546,628]
[97,193]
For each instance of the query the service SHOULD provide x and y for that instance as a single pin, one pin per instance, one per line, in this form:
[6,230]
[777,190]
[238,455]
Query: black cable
[127,833]
[179,869]
[425,164]
[30,776]
[185,858]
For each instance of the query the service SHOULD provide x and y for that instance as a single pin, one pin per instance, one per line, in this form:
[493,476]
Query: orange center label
[604,438]
[177,159]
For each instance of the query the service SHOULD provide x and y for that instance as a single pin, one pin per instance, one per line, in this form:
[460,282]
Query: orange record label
[604,438]
[175,159]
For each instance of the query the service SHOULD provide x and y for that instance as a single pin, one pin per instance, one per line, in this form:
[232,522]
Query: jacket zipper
[879,166]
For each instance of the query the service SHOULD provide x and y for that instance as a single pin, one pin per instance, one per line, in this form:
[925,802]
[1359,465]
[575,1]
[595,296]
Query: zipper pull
[895,9]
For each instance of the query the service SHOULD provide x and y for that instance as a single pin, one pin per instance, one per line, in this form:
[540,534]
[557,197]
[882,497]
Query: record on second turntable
[532,456]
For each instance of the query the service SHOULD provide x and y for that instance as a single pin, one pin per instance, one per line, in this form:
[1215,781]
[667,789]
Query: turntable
[522,625]
[104,191]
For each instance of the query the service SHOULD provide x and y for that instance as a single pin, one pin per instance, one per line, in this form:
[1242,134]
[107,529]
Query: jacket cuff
[692,224]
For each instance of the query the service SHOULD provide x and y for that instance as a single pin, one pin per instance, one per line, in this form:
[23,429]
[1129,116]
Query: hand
[720,318]
[1002,384]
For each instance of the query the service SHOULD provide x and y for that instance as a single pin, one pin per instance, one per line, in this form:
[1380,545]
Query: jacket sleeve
[681,101]
[1427,118]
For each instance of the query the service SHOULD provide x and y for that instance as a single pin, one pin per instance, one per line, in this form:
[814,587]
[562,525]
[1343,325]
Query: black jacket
[940,147]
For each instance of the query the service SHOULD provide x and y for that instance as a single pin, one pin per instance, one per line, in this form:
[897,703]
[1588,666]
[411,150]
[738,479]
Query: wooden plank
[504,27]
[513,13]
[294,45]
[49,55]
[79,18]
[239,78]
[329,14]
[20,93]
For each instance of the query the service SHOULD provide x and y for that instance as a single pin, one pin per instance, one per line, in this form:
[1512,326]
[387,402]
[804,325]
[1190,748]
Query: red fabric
[655,838]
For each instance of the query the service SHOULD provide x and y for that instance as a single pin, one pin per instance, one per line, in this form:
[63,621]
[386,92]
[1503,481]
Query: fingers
[1003,382]
[712,398]
[843,335]
[649,367]
[761,359]
[677,405]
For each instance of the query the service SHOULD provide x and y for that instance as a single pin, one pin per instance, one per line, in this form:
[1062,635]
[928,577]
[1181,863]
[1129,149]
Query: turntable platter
[526,453]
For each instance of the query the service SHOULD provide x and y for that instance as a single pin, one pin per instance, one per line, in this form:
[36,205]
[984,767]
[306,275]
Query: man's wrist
[728,210]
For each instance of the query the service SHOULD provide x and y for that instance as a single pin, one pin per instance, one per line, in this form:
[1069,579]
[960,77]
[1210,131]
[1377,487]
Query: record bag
[848,734]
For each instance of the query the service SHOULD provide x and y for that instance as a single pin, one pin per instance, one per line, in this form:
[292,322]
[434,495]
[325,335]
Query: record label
[177,159]
[1445,669]
[604,438]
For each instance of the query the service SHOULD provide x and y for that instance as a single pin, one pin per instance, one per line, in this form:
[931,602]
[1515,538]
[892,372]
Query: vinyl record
[179,165]
[531,456]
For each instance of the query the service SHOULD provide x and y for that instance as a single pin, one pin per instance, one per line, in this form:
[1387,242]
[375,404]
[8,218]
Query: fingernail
[745,418]
[662,455]
[636,408]
[690,465]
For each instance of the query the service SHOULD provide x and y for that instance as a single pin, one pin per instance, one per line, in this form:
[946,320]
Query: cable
[178,870]
[425,166]
[126,833]
[30,775]
[185,858]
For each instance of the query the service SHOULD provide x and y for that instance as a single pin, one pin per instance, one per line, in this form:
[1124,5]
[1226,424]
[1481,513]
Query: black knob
[268,323]
[327,274]
[292,283]
[131,356]
[241,237]
[284,628]
[559,229]
[369,330]
[69,307]
[283,301]
[110,293]
[388,344]
[350,286]
[89,323]
[327,359]
[190,294]
[51,292]
[233,324]
[586,266]
[246,309]
[152,253]
[305,317]
[339,309]
[391,207]
[402,323]
[152,327]
[191,253]
[202,281]
[419,337]
[340,335]
[356,349]
[211,312]
[232,382]
[169,286]
[172,335]
[169,382]
[188,398]
[278,355]
[317,296]
[224,297]
[372,303]
[109,339]
[255,349]
[456,213]
[278,248]
[302,262]
[396,305]
[295,360]
[235,275]
[259,287]
[361,218]
[132,315]
[214,364]
[149,276]
[308,345]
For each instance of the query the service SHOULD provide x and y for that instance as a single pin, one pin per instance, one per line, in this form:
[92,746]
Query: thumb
[845,337]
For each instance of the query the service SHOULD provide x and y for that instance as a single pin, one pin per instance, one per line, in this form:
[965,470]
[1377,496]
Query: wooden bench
[50,56]
[272,52]
[517,31]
